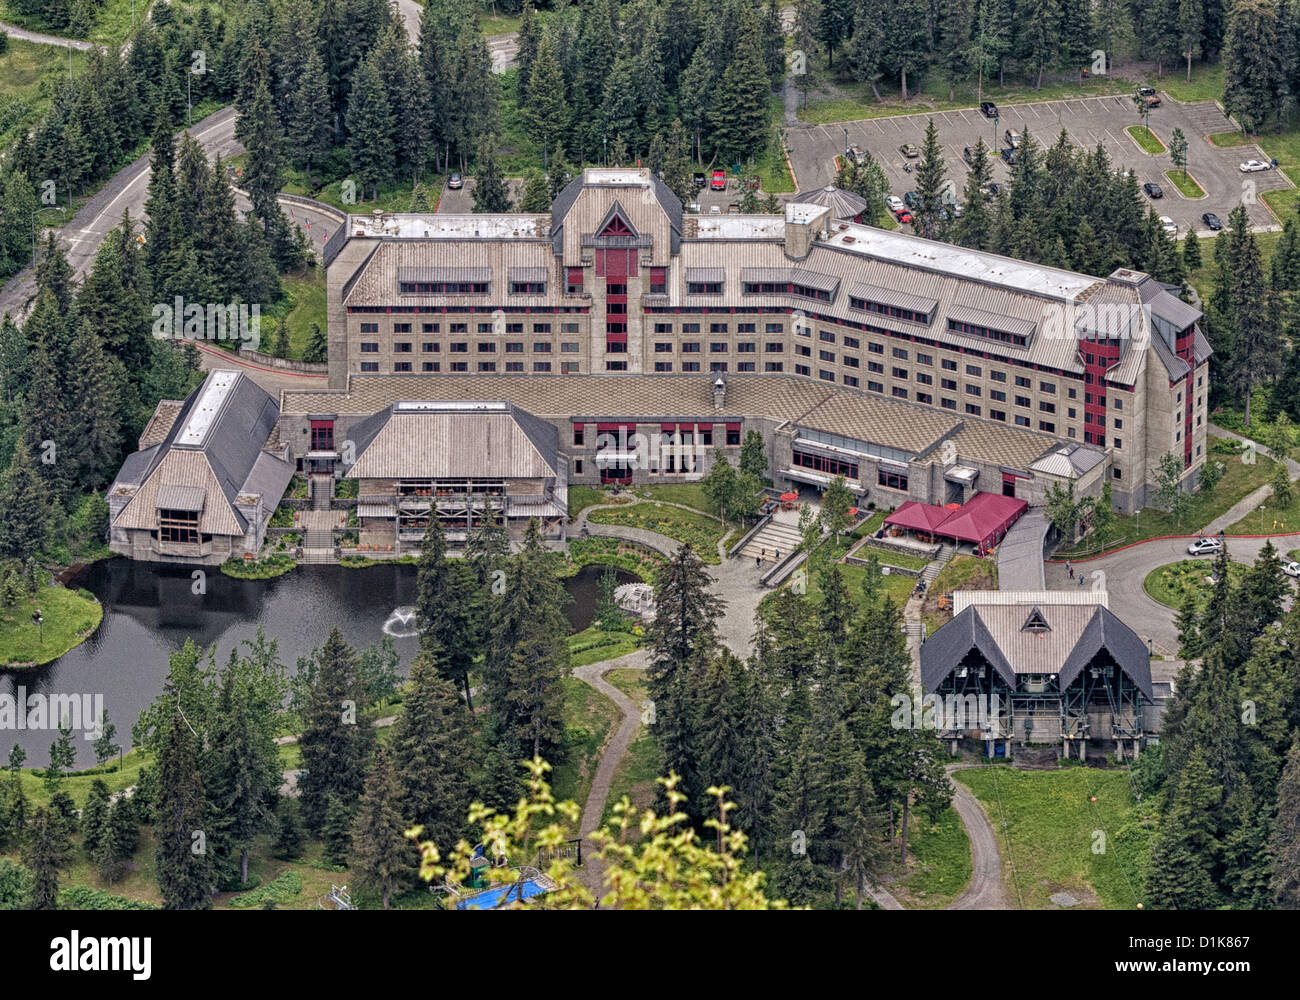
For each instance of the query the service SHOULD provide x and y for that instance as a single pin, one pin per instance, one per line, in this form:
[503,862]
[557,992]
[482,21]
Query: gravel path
[986,890]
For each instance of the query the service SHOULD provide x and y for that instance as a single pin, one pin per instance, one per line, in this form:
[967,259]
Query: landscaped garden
[274,564]
[1147,140]
[687,526]
[70,616]
[612,552]
[1169,584]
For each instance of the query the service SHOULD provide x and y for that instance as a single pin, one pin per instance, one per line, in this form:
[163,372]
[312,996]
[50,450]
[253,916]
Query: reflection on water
[150,610]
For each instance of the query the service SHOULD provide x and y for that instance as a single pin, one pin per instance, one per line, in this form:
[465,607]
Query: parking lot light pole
[846,142]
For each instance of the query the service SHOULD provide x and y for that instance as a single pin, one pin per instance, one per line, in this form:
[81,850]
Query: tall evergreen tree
[182,863]
[44,853]
[382,857]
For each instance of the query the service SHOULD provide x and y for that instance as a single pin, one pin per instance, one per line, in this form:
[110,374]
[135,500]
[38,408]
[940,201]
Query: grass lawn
[391,197]
[939,862]
[1294,555]
[27,74]
[643,562]
[584,496]
[1270,517]
[588,718]
[1147,140]
[637,772]
[1170,583]
[1053,830]
[77,784]
[686,494]
[1185,183]
[896,586]
[303,304]
[1206,84]
[69,619]
[700,530]
[961,573]
[1239,480]
[112,22]
[892,558]
[1227,140]
[591,645]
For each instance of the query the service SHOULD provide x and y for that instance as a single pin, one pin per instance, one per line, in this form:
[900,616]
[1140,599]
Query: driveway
[1089,121]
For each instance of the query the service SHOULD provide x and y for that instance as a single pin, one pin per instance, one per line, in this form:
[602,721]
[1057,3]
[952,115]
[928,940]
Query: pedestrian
[1069,569]
[778,555]
[1080,579]
[763,553]
[758,561]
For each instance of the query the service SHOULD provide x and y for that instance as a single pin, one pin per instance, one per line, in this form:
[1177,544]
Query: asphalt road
[1088,121]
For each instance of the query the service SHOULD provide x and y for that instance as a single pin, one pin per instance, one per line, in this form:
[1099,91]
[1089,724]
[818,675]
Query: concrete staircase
[318,533]
[772,537]
[321,491]
[935,567]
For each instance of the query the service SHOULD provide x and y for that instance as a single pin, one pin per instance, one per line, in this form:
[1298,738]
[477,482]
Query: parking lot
[1088,121]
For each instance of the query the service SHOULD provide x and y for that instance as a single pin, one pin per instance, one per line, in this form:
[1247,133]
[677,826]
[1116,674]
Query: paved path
[986,890]
[13,31]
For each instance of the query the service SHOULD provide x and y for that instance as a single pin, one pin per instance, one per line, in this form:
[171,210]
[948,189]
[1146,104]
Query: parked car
[1204,546]
[904,217]
[1014,139]
[968,155]
[1168,225]
[910,149]
[719,182]
[1212,221]
[912,199]
[856,155]
[894,203]
[988,109]
[455,182]
[1291,569]
[1251,166]
[1149,97]
[699,178]
[952,210]
[992,189]
[1153,190]
[715,209]
[1008,155]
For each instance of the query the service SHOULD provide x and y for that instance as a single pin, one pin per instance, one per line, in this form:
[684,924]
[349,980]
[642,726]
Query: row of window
[464,328]
[482,347]
[486,367]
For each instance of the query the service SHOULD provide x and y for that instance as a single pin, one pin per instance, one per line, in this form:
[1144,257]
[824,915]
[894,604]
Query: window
[401,366]
[458,328]
[900,353]
[691,347]
[803,350]
[663,347]
[899,392]
[802,370]
[997,376]
[924,359]
[541,328]
[972,390]
[899,372]
[830,466]
[1072,392]
[615,366]
[773,366]
[948,404]
[428,347]
[997,395]
[849,361]
[875,386]
[369,347]
[998,415]
[370,366]
[569,347]
[573,283]
[851,342]
[1044,425]
[746,327]
[429,366]
[1119,404]
[658,280]
[615,346]
[891,480]
[663,328]
[663,366]
[514,328]
[771,347]
[527,288]
[487,366]
[947,383]
[690,328]
[1116,474]
[704,288]
[924,378]
[876,366]
[1119,443]
[924,397]
[1023,382]
[867,305]
[402,347]
[485,328]
[718,347]
[178,526]
[717,328]
[826,356]
[1070,412]
[568,327]
[568,367]
[745,347]
[369,327]
[826,336]
[948,364]
[486,348]
[825,376]
[541,366]
[774,328]
[401,327]
[973,370]
[1047,387]
[514,347]
[972,409]
[989,333]
[1022,400]
[875,348]
[541,347]
[851,380]
[514,366]
[1046,407]
[745,366]
[717,366]
[1022,420]
[442,288]
[459,366]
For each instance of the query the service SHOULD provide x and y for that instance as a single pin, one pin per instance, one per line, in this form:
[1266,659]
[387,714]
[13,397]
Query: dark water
[150,610]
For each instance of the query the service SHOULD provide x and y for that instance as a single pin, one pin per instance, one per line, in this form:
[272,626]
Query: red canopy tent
[983,520]
[789,497]
[917,516]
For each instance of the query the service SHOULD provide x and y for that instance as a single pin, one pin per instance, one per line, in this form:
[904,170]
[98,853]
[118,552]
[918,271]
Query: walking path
[986,890]
[13,31]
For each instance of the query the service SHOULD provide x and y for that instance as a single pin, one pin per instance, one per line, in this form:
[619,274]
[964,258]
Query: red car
[719,182]
[904,217]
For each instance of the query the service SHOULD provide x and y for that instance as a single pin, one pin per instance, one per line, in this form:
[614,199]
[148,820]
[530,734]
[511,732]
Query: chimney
[719,393]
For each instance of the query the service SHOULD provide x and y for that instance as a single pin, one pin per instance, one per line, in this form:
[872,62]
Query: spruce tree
[432,753]
[1284,844]
[490,191]
[317,349]
[289,838]
[336,828]
[182,863]
[382,858]
[24,506]
[444,604]
[928,214]
[1186,848]
[336,741]
[44,853]
[94,817]
[120,839]
[546,109]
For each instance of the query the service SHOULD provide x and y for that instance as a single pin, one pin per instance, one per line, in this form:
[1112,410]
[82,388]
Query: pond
[150,610]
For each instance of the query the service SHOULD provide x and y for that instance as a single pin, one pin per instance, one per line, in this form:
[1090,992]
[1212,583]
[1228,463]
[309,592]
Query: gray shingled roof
[945,649]
[843,204]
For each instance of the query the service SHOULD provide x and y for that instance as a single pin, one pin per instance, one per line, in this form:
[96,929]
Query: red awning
[917,516]
[983,520]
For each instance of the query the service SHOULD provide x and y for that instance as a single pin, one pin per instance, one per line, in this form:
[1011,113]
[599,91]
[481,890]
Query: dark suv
[988,109]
